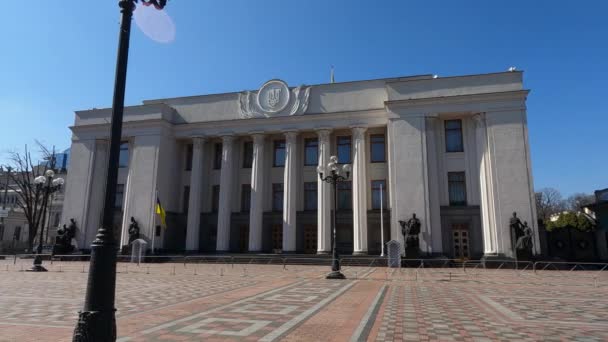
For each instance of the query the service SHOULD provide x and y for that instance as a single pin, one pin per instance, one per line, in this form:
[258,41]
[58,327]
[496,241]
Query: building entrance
[310,239]
[277,237]
[243,238]
[460,241]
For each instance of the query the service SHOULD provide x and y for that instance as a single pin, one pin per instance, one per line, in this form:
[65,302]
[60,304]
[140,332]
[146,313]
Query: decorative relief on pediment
[274,99]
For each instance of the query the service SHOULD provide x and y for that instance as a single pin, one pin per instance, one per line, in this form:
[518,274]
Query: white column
[485,185]
[324,202]
[256,209]
[289,193]
[224,208]
[194,201]
[79,189]
[359,192]
[432,124]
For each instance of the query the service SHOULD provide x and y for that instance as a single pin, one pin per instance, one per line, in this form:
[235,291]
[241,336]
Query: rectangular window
[345,195]
[310,196]
[123,157]
[457,188]
[344,149]
[377,186]
[277,197]
[120,194]
[377,148]
[215,198]
[17,234]
[56,221]
[279,153]
[189,153]
[186,200]
[453,136]
[247,154]
[311,151]
[217,156]
[1,233]
[245,197]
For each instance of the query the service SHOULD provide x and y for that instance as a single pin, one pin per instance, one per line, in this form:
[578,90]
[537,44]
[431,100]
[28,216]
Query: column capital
[479,119]
[291,135]
[258,138]
[227,139]
[323,133]
[198,141]
[359,132]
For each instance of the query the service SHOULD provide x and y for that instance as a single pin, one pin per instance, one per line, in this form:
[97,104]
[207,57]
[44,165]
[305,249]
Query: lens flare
[156,24]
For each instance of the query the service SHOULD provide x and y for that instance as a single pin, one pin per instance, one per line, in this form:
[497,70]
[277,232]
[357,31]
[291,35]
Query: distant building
[238,171]
[15,231]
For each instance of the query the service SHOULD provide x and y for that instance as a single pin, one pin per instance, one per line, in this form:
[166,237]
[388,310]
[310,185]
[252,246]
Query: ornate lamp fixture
[46,185]
[333,174]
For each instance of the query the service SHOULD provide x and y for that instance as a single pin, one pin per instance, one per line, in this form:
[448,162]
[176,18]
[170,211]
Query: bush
[573,220]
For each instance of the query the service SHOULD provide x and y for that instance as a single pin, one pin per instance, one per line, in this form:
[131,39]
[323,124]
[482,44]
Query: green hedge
[571,219]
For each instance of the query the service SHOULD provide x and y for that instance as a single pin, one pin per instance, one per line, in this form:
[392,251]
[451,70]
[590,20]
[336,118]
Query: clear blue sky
[59,56]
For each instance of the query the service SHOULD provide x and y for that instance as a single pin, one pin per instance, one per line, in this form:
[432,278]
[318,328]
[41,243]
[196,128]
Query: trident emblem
[274,97]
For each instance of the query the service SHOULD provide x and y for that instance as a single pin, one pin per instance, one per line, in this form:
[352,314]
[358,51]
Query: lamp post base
[335,275]
[36,268]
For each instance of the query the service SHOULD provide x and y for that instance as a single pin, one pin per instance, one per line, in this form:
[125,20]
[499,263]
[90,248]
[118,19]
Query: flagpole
[155,218]
[381,221]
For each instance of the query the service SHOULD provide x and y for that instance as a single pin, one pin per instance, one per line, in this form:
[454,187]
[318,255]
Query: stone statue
[71,232]
[133,230]
[410,231]
[521,234]
[515,223]
[63,240]
[524,242]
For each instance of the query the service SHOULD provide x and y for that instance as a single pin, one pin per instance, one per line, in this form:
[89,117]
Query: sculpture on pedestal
[524,242]
[63,240]
[133,230]
[521,234]
[410,231]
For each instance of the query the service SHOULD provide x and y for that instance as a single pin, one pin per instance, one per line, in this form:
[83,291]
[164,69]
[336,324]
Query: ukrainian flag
[161,212]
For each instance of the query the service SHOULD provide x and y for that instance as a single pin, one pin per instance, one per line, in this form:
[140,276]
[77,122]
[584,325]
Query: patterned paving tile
[176,302]
[265,317]
[49,300]
[448,312]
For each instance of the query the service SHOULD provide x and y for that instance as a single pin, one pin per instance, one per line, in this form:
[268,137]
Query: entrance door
[310,239]
[277,237]
[244,238]
[460,241]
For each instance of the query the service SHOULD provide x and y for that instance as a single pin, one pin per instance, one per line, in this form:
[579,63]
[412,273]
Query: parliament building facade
[237,172]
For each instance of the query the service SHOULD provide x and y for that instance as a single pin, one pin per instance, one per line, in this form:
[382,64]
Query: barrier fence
[353,267]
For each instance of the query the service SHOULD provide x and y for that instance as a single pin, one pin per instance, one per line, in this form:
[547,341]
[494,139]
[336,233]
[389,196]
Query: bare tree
[30,198]
[576,201]
[549,201]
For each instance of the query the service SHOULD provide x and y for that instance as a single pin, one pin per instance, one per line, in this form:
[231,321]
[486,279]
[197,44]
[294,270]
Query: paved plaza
[251,302]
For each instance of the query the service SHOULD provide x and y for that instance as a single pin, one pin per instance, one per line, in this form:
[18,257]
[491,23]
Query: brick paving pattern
[223,302]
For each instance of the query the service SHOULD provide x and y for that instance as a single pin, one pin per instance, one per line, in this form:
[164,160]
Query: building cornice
[459,99]
[460,104]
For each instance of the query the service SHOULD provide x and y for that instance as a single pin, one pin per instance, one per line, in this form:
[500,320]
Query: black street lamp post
[336,174]
[97,320]
[49,185]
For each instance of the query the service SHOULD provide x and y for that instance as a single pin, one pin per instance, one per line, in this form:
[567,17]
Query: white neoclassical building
[236,172]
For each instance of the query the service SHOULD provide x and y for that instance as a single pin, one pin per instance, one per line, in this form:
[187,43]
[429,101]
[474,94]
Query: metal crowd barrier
[356,267]
[569,266]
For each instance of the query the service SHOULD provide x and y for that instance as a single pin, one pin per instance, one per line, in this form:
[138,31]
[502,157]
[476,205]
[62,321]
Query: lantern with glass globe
[333,173]
[44,185]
